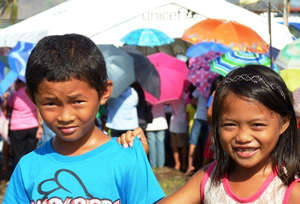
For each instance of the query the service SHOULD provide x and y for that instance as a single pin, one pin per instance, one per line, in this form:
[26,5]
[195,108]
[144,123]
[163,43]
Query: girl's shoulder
[293,192]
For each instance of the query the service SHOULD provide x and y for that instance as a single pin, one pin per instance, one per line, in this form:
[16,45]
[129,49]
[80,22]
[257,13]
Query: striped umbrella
[234,59]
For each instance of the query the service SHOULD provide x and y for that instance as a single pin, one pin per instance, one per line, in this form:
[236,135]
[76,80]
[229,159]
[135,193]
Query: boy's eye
[49,104]
[258,124]
[79,101]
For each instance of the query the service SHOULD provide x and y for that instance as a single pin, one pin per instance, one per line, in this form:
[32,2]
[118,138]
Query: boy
[66,79]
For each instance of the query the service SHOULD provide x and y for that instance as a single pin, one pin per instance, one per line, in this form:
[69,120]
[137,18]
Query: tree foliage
[9,10]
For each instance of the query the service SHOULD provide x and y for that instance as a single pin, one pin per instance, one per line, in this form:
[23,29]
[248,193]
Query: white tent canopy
[107,23]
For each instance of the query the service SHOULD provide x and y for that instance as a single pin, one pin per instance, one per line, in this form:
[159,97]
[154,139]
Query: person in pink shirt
[23,122]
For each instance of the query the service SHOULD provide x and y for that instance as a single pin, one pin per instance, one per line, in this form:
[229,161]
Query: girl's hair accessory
[254,79]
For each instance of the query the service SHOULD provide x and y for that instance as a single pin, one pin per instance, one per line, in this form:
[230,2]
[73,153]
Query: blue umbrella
[17,59]
[234,59]
[119,66]
[146,37]
[205,47]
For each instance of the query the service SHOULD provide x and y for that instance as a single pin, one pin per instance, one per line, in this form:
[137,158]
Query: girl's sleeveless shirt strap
[205,179]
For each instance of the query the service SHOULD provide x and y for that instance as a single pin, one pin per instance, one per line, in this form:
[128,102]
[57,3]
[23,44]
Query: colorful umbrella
[204,47]
[230,33]
[17,59]
[289,56]
[199,73]
[145,72]
[233,59]
[120,68]
[172,73]
[146,37]
[291,77]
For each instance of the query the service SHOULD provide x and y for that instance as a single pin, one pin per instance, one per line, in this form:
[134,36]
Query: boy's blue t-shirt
[107,174]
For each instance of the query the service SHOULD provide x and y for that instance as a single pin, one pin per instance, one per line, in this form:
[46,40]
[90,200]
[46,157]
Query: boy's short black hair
[58,58]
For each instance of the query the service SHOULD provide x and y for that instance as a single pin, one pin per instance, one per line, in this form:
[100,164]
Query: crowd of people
[64,133]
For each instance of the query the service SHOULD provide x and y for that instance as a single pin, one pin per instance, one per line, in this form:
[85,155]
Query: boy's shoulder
[112,149]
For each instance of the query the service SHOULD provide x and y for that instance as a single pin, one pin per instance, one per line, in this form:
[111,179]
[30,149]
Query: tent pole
[270,33]
[286,11]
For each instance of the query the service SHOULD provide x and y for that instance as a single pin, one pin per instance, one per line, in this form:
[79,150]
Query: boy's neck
[82,146]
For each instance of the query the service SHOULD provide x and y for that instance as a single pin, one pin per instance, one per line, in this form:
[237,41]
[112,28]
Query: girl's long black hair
[265,86]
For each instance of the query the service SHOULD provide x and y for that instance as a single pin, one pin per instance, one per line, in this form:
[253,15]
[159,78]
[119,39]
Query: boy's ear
[285,123]
[106,92]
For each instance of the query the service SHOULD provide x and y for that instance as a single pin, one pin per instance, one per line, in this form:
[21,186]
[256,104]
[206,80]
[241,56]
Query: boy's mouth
[68,130]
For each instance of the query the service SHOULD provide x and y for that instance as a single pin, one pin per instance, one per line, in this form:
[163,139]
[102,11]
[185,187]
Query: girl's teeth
[246,152]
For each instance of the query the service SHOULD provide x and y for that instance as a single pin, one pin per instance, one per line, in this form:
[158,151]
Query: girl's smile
[248,130]
[245,152]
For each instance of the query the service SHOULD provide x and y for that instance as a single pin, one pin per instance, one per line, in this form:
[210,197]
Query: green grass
[169,179]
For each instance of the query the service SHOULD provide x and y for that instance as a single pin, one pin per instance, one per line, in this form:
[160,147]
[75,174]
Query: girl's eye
[228,124]
[259,125]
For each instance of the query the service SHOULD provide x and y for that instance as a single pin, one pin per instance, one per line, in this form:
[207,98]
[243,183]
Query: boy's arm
[15,192]
[141,185]
[126,139]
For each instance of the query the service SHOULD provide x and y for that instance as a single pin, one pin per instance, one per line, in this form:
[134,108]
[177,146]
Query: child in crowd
[257,147]
[156,132]
[179,134]
[66,79]
[199,132]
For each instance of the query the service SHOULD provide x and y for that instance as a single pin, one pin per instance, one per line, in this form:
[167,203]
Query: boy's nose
[66,116]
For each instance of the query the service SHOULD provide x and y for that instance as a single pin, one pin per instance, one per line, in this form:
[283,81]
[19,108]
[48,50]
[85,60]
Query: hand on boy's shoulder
[127,139]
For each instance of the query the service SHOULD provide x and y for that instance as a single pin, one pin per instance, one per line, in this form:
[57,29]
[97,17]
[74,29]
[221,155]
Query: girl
[257,148]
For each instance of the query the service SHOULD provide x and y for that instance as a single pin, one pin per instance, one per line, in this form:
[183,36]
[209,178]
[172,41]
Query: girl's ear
[284,124]
[106,92]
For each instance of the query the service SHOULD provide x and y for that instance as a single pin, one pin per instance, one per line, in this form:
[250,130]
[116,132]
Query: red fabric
[208,153]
